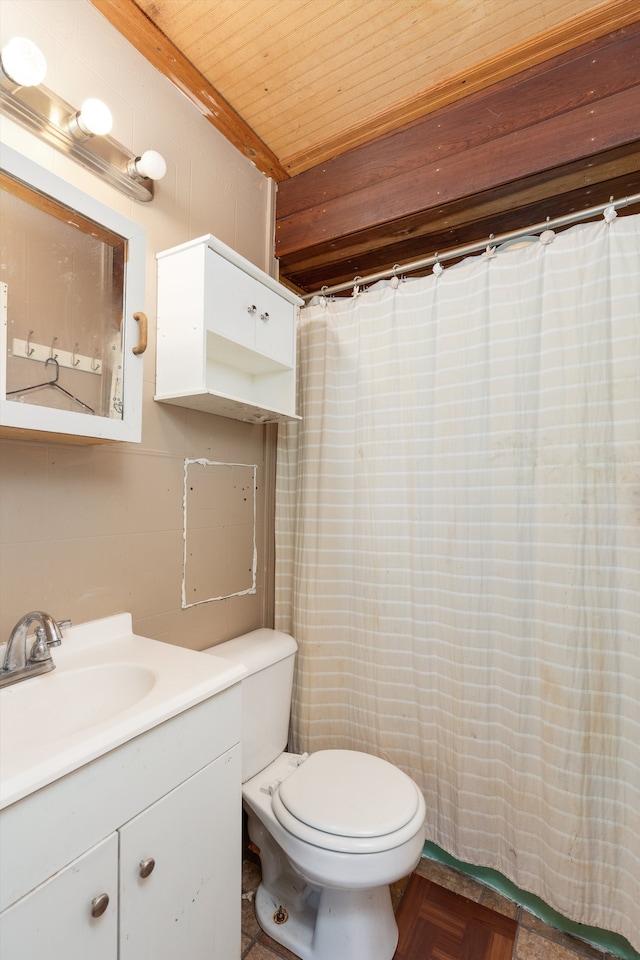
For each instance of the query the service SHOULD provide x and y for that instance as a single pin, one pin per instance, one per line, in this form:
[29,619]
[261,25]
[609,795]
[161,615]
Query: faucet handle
[40,648]
[45,639]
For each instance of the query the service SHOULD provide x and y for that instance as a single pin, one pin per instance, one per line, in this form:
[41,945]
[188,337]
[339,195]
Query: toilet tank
[269,657]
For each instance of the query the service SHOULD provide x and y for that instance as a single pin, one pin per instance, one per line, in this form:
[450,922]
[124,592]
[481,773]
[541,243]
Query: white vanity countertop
[109,686]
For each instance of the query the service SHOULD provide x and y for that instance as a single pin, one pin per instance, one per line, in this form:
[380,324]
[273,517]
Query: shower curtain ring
[438,269]
[356,288]
[547,236]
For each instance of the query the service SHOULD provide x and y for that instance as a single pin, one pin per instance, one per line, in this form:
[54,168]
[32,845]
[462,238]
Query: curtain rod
[474,247]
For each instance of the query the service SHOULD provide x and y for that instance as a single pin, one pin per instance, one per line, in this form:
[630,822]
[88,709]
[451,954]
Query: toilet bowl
[333,828]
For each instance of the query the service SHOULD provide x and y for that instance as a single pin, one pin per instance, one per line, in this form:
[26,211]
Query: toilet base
[326,923]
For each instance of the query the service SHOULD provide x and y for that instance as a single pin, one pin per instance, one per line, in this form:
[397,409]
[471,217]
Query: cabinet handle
[264,316]
[142,342]
[252,309]
[146,867]
[99,904]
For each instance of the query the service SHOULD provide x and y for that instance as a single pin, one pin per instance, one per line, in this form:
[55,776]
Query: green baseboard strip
[602,939]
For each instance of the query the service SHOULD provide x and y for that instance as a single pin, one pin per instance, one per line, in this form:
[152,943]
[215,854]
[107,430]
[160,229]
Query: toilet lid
[349,794]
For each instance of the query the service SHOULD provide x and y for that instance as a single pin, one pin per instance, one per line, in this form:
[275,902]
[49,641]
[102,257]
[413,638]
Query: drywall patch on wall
[220,554]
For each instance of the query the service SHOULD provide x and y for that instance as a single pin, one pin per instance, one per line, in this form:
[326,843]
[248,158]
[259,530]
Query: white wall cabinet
[186,903]
[226,334]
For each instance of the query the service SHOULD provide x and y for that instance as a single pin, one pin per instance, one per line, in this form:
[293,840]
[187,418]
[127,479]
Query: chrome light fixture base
[51,118]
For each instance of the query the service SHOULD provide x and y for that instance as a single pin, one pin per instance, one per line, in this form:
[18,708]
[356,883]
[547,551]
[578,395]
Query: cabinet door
[275,327]
[188,906]
[54,921]
[245,311]
[230,301]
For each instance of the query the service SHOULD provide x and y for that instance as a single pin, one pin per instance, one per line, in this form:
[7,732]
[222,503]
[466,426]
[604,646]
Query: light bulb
[23,62]
[150,165]
[94,118]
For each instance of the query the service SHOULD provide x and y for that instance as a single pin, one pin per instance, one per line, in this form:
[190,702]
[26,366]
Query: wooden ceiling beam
[575,79]
[611,123]
[542,126]
[565,191]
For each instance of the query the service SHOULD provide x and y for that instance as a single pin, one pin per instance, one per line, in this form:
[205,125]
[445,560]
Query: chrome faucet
[17,666]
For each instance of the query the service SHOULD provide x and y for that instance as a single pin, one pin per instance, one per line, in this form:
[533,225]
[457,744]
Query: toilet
[334,828]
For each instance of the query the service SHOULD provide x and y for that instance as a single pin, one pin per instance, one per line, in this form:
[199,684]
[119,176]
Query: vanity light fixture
[79,134]
[151,165]
[23,63]
[93,119]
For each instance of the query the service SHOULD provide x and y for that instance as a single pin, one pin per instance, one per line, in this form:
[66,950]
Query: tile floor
[534,939]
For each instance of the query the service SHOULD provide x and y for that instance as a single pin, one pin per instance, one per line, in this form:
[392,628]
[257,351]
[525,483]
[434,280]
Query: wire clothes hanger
[52,383]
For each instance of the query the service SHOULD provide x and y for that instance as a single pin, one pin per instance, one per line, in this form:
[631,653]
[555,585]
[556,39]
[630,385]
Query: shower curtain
[458,538]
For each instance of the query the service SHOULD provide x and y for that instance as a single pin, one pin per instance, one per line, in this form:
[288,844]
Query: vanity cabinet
[226,336]
[151,825]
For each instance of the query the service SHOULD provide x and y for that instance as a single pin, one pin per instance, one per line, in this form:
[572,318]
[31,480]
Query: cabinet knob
[99,904]
[146,867]
[252,309]
[264,316]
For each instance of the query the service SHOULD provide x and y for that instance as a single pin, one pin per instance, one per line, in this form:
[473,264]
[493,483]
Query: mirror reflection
[62,280]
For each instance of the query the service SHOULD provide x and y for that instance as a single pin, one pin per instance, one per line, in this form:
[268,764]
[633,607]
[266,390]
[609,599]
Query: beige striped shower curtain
[457,540]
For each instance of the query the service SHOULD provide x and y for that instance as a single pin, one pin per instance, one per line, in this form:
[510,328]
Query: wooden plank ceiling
[396,128]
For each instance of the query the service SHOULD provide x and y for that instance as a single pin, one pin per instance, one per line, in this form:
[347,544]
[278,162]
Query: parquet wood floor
[437,924]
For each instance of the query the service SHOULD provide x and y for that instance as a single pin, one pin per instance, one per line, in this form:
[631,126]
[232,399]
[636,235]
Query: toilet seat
[348,801]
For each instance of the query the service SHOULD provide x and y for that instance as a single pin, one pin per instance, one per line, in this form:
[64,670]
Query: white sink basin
[109,685]
[97,694]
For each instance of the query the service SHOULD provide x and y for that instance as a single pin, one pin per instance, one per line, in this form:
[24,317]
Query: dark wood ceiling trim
[590,25]
[585,75]
[133,24]
[565,190]
[557,113]
[612,122]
